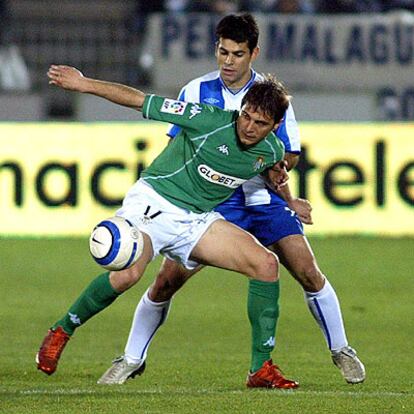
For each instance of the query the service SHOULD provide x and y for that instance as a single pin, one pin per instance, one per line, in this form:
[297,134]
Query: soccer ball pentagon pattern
[116,244]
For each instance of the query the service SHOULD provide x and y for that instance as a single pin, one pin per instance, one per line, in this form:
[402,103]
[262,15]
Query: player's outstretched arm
[72,79]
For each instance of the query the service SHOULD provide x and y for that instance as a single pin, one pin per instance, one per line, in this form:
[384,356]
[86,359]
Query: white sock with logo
[324,306]
[148,317]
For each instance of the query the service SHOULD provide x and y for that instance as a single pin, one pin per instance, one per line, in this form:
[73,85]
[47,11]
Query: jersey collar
[252,79]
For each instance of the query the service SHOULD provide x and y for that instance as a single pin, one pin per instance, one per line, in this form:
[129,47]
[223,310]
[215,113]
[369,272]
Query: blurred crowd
[4,18]
[273,6]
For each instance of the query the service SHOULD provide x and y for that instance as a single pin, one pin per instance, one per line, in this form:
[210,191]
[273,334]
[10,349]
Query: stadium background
[350,75]
[67,159]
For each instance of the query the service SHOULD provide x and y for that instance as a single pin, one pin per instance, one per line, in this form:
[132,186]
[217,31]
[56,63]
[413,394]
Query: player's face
[253,125]
[234,61]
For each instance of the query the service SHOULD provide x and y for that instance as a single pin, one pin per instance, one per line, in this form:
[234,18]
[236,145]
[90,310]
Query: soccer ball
[116,244]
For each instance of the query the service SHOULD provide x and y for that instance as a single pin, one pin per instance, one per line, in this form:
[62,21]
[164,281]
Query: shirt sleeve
[174,129]
[193,117]
[288,132]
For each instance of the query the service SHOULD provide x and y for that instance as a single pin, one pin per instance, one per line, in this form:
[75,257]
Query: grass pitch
[198,361]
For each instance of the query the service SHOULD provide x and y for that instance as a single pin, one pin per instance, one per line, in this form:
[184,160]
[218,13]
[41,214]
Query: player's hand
[302,208]
[278,175]
[66,77]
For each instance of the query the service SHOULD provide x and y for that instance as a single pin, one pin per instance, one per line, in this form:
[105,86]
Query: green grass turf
[198,361]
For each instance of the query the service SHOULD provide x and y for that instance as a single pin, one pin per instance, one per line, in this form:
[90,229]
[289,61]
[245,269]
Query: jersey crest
[258,163]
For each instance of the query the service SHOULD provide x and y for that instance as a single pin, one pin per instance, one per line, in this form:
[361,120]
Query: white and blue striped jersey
[210,89]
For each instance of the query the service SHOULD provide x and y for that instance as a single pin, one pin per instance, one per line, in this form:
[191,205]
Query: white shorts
[173,231]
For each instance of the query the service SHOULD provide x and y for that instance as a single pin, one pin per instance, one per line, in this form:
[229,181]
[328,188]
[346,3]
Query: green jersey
[205,162]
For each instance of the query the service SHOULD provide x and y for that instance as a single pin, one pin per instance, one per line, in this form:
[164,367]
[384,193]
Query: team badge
[259,163]
[171,106]
[195,110]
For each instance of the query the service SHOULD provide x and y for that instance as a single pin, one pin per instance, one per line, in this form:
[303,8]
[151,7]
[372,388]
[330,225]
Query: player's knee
[124,279]
[267,267]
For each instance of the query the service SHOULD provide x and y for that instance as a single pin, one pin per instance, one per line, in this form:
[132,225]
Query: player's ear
[255,53]
[216,48]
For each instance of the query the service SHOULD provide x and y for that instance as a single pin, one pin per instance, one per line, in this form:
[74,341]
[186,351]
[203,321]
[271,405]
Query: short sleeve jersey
[212,90]
[206,162]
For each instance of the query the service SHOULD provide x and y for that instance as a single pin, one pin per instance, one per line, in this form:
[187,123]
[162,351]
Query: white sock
[148,317]
[324,306]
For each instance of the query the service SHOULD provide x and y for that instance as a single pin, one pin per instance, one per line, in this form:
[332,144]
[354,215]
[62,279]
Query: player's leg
[103,290]
[217,247]
[97,296]
[263,372]
[207,250]
[247,256]
[227,246]
[152,309]
[150,314]
[297,256]
[278,227]
[170,278]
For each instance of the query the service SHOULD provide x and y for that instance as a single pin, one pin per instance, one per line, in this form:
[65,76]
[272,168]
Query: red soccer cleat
[269,376]
[49,353]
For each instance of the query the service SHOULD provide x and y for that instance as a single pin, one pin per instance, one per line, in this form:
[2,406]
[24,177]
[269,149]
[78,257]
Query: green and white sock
[263,312]
[96,297]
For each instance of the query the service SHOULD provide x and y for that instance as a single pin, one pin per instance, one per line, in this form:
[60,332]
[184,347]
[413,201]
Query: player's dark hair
[270,96]
[240,28]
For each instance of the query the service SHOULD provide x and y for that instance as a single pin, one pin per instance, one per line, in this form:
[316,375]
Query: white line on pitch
[80,391]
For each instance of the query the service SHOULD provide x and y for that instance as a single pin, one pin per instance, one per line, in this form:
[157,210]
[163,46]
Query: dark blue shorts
[268,223]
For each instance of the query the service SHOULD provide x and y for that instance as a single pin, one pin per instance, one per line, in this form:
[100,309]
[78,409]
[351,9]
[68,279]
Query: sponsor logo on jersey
[170,106]
[224,149]
[195,110]
[218,178]
[259,163]
[211,101]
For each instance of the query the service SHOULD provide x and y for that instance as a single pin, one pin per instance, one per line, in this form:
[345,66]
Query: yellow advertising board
[59,179]
[62,178]
[359,178]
